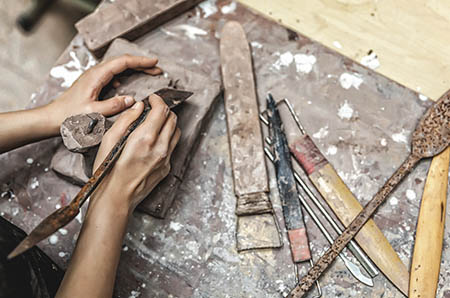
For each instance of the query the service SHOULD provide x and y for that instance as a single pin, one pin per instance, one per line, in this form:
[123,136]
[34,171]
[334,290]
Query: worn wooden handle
[430,230]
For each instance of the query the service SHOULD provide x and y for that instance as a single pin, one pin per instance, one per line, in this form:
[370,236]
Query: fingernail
[128,100]
[136,105]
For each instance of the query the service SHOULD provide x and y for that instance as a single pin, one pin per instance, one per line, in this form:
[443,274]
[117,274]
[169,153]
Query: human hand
[82,96]
[145,159]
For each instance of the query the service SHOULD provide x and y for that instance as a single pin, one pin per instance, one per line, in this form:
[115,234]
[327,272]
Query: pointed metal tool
[64,215]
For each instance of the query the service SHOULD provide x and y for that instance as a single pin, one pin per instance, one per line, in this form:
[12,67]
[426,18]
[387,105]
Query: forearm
[93,266]
[27,126]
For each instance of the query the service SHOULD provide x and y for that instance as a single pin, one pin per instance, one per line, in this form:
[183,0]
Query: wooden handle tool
[430,230]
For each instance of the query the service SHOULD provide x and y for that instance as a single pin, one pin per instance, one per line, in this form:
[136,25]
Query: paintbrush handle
[358,222]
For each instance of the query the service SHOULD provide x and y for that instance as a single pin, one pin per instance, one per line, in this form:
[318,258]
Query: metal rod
[354,269]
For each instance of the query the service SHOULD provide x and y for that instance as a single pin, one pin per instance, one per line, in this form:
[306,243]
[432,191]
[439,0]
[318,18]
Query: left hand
[82,96]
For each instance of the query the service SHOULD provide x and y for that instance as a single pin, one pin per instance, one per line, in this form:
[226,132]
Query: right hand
[145,159]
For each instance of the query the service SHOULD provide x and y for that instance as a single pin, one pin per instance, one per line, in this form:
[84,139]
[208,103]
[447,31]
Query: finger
[113,105]
[117,130]
[155,120]
[167,131]
[101,74]
[154,71]
[116,83]
[173,143]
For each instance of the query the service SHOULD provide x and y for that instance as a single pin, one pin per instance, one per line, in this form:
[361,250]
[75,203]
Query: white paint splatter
[63,231]
[422,97]
[135,294]
[208,8]
[193,247]
[53,239]
[304,63]
[190,31]
[61,254]
[337,44]
[349,80]
[226,9]
[383,142]
[400,137]
[323,132]
[394,201]
[285,59]
[176,226]
[46,170]
[256,45]
[34,183]
[345,111]
[125,248]
[30,160]
[57,206]
[332,150]
[15,211]
[70,71]
[371,61]
[410,194]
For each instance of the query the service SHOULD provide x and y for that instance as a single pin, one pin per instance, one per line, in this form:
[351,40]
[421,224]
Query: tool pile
[311,193]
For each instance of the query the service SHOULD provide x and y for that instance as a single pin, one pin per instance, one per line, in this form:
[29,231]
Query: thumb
[113,105]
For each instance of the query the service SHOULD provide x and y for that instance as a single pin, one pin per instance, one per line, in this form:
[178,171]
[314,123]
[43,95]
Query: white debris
[70,71]
[332,150]
[57,206]
[337,44]
[285,60]
[61,254]
[176,226]
[422,97]
[34,183]
[345,111]
[63,231]
[400,137]
[304,63]
[383,142]
[46,170]
[349,80]
[256,45]
[226,9]
[191,31]
[143,285]
[53,239]
[394,201]
[410,194]
[371,61]
[125,248]
[30,160]
[208,8]
[323,132]
[15,211]
[135,294]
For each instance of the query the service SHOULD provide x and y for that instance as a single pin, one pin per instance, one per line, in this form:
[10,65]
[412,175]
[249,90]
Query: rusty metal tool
[257,225]
[287,188]
[344,204]
[353,268]
[352,246]
[431,137]
[426,258]
[65,214]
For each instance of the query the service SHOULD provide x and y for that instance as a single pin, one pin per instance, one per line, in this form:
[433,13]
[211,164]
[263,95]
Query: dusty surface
[360,120]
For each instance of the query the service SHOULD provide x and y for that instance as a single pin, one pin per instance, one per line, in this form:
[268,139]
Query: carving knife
[287,188]
[65,214]
[256,224]
[426,258]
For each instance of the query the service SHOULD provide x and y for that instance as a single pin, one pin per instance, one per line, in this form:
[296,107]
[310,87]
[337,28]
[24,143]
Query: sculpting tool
[426,258]
[64,215]
[431,136]
[352,246]
[353,268]
[287,189]
[345,206]
[257,226]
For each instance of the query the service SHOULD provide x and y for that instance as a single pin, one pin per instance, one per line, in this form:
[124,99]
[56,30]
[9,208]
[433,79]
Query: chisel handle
[430,230]
[346,207]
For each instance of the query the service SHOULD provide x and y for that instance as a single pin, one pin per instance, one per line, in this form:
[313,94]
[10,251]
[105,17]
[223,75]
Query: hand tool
[426,258]
[431,136]
[256,223]
[287,189]
[354,269]
[65,214]
[345,206]
[352,246]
